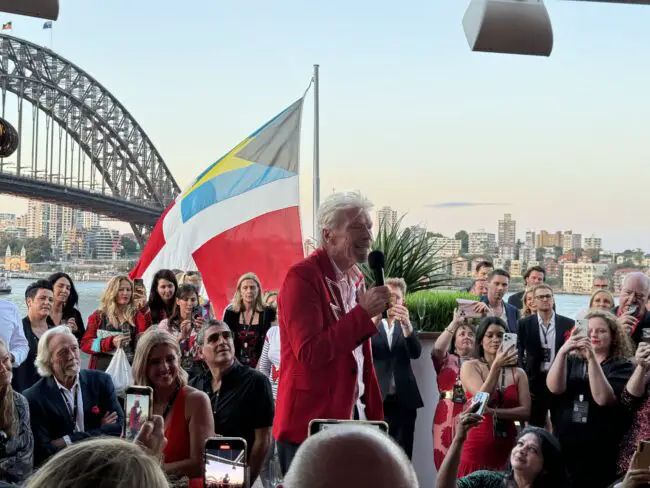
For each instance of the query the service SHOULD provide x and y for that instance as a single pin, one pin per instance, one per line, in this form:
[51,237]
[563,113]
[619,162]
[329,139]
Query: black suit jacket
[516,300]
[396,361]
[50,417]
[529,343]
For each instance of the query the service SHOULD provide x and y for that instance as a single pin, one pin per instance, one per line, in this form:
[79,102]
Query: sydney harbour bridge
[79,146]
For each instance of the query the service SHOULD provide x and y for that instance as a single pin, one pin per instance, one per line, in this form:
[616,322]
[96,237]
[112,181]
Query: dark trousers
[286,453]
[401,423]
[542,401]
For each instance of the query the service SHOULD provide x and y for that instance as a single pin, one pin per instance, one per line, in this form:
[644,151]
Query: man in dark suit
[392,350]
[493,303]
[68,405]
[539,339]
[533,276]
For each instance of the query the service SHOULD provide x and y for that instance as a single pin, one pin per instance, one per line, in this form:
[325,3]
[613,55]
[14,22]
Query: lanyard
[72,411]
[247,326]
[501,389]
[171,401]
[545,332]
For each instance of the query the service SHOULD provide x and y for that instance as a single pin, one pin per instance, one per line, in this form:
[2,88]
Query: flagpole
[316,152]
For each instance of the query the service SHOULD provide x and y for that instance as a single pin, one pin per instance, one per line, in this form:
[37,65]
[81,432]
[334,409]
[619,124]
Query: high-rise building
[507,231]
[35,222]
[593,242]
[7,216]
[89,220]
[386,216]
[571,241]
[527,254]
[482,242]
[579,277]
[547,239]
[446,247]
[515,268]
[506,252]
[530,239]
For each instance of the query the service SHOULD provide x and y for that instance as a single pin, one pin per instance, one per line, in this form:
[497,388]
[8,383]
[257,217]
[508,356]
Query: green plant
[410,254]
[438,308]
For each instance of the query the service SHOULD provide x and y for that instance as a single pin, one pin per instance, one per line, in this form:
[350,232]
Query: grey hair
[200,337]
[643,278]
[330,210]
[43,356]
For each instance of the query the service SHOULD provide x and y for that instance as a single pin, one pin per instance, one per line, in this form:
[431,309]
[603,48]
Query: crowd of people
[568,402]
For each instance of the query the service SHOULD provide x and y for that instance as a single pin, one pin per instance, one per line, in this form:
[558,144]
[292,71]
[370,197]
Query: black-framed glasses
[543,297]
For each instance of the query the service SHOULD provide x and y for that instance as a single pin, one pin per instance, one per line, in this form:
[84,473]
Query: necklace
[171,401]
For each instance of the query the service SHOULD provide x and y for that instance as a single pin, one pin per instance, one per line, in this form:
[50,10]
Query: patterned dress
[444,420]
[18,457]
[483,479]
[639,409]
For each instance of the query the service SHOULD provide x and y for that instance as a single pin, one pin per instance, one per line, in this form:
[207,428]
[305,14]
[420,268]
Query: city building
[579,277]
[482,242]
[460,268]
[571,241]
[102,243]
[17,232]
[530,239]
[547,239]
[7,216]
[552,268]
[447,248]
[506,252]
[516,268]
[89,220]
[593,242]
[73,243]
[16,262]
[500,263]
[527,254]
[507,231]
[417,230]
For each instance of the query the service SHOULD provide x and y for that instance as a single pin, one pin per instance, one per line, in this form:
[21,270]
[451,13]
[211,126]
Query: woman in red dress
[495,372]
[455,345]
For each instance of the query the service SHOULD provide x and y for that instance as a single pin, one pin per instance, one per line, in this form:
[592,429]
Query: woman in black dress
[66,299]
[588,377]
[249,319]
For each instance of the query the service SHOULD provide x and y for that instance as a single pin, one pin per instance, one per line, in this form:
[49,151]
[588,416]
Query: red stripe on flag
[267,245]
[154,244]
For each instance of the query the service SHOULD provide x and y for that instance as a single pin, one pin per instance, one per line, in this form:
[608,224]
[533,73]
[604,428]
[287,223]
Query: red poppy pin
[95,410]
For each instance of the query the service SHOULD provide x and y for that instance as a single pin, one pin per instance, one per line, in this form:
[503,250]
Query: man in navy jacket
[69,405]
[494,304]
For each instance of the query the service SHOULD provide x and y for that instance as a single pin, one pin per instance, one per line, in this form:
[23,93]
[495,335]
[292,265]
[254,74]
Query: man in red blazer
[325,325]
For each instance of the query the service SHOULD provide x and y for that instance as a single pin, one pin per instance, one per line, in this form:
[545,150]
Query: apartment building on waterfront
[579,277]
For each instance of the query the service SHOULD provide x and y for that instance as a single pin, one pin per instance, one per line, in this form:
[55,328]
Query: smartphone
[225,463]
[197,311]
[138,282]
[583,326]
[318,425]
[643,459]
[633,309]
[467,307]
[509,339]
[137,409]
[481,398]
[645,335]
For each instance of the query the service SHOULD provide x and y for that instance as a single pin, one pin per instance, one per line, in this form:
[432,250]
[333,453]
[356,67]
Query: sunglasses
[215,336]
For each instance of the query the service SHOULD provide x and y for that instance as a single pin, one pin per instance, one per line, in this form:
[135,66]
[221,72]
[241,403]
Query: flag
[239,215]
[47,25]
[7,26]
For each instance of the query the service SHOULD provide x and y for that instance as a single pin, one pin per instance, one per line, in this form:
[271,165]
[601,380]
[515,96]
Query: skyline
[401,92]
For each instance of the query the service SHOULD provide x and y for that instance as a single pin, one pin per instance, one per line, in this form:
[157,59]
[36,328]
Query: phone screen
[137,410]
[225,463]
[481,398]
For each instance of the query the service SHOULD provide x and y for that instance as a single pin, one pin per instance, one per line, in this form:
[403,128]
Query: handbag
[120,372]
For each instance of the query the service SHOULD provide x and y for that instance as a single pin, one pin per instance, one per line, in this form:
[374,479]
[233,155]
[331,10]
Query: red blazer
[318,372]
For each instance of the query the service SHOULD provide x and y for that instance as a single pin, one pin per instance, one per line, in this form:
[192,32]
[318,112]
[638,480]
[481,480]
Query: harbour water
[90,292]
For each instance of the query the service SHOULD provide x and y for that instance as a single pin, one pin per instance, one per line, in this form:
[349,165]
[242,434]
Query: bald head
[347,456]
[635,291]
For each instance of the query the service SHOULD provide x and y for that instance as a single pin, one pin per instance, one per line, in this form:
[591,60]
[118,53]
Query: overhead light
[509,27]
[44,9]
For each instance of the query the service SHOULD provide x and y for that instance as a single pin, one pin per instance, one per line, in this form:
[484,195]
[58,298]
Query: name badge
[458,394]
[546,354]
[580,411]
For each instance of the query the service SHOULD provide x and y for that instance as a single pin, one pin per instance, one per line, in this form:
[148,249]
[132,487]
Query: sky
[408,114]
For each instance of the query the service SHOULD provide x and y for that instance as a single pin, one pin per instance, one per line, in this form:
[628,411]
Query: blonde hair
[620,346]
[525,310]
[151,338]
[103,462]
[43,360]
[7,408]
[108,301]
[397,283]
[598,292]
[238,300]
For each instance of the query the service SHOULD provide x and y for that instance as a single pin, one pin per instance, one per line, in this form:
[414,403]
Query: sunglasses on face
[215,336]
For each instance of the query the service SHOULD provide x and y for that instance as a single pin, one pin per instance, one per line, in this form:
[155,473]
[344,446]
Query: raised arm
[557,375]
[442,344]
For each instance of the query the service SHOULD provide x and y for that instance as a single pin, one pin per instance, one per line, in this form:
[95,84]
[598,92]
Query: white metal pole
[316,151]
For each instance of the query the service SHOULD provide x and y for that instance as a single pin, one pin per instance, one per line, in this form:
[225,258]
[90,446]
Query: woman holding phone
[588,376]
[184,324]
[494,372]
[535,460]
[64,309]
[454,346]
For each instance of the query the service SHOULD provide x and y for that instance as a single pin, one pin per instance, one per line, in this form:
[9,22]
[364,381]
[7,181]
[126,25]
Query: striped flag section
[241,214]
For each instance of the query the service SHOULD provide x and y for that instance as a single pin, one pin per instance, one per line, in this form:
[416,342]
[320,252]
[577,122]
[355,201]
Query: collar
[353,275]
[232,371]
[541,321]
[60,386]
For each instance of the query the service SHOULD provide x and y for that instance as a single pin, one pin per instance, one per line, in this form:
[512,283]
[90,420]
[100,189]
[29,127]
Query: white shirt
[349,296]
[11,330]
[389,335]
[69,402]
[547,338]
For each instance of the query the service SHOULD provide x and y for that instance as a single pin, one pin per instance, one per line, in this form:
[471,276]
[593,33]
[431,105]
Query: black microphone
[377,261]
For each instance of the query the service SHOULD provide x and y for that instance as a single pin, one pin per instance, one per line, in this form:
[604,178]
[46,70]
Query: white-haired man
[348,456]
[326,316]
[68,405]
[632,311]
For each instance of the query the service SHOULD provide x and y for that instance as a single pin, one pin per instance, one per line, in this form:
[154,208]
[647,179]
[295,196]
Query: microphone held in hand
[376,262]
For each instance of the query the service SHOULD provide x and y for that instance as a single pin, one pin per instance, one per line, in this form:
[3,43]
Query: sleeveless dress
[444,420]
[178,438]
[482,450]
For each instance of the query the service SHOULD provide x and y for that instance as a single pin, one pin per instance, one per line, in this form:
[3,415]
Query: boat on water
[5,284]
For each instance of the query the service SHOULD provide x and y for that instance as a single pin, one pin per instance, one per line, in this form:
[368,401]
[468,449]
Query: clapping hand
[642,356]
[72,325]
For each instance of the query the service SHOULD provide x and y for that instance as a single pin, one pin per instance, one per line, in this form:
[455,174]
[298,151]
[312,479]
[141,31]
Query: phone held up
[509,339]
[642,460]
[225,463]
[481,397]
[138,409]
